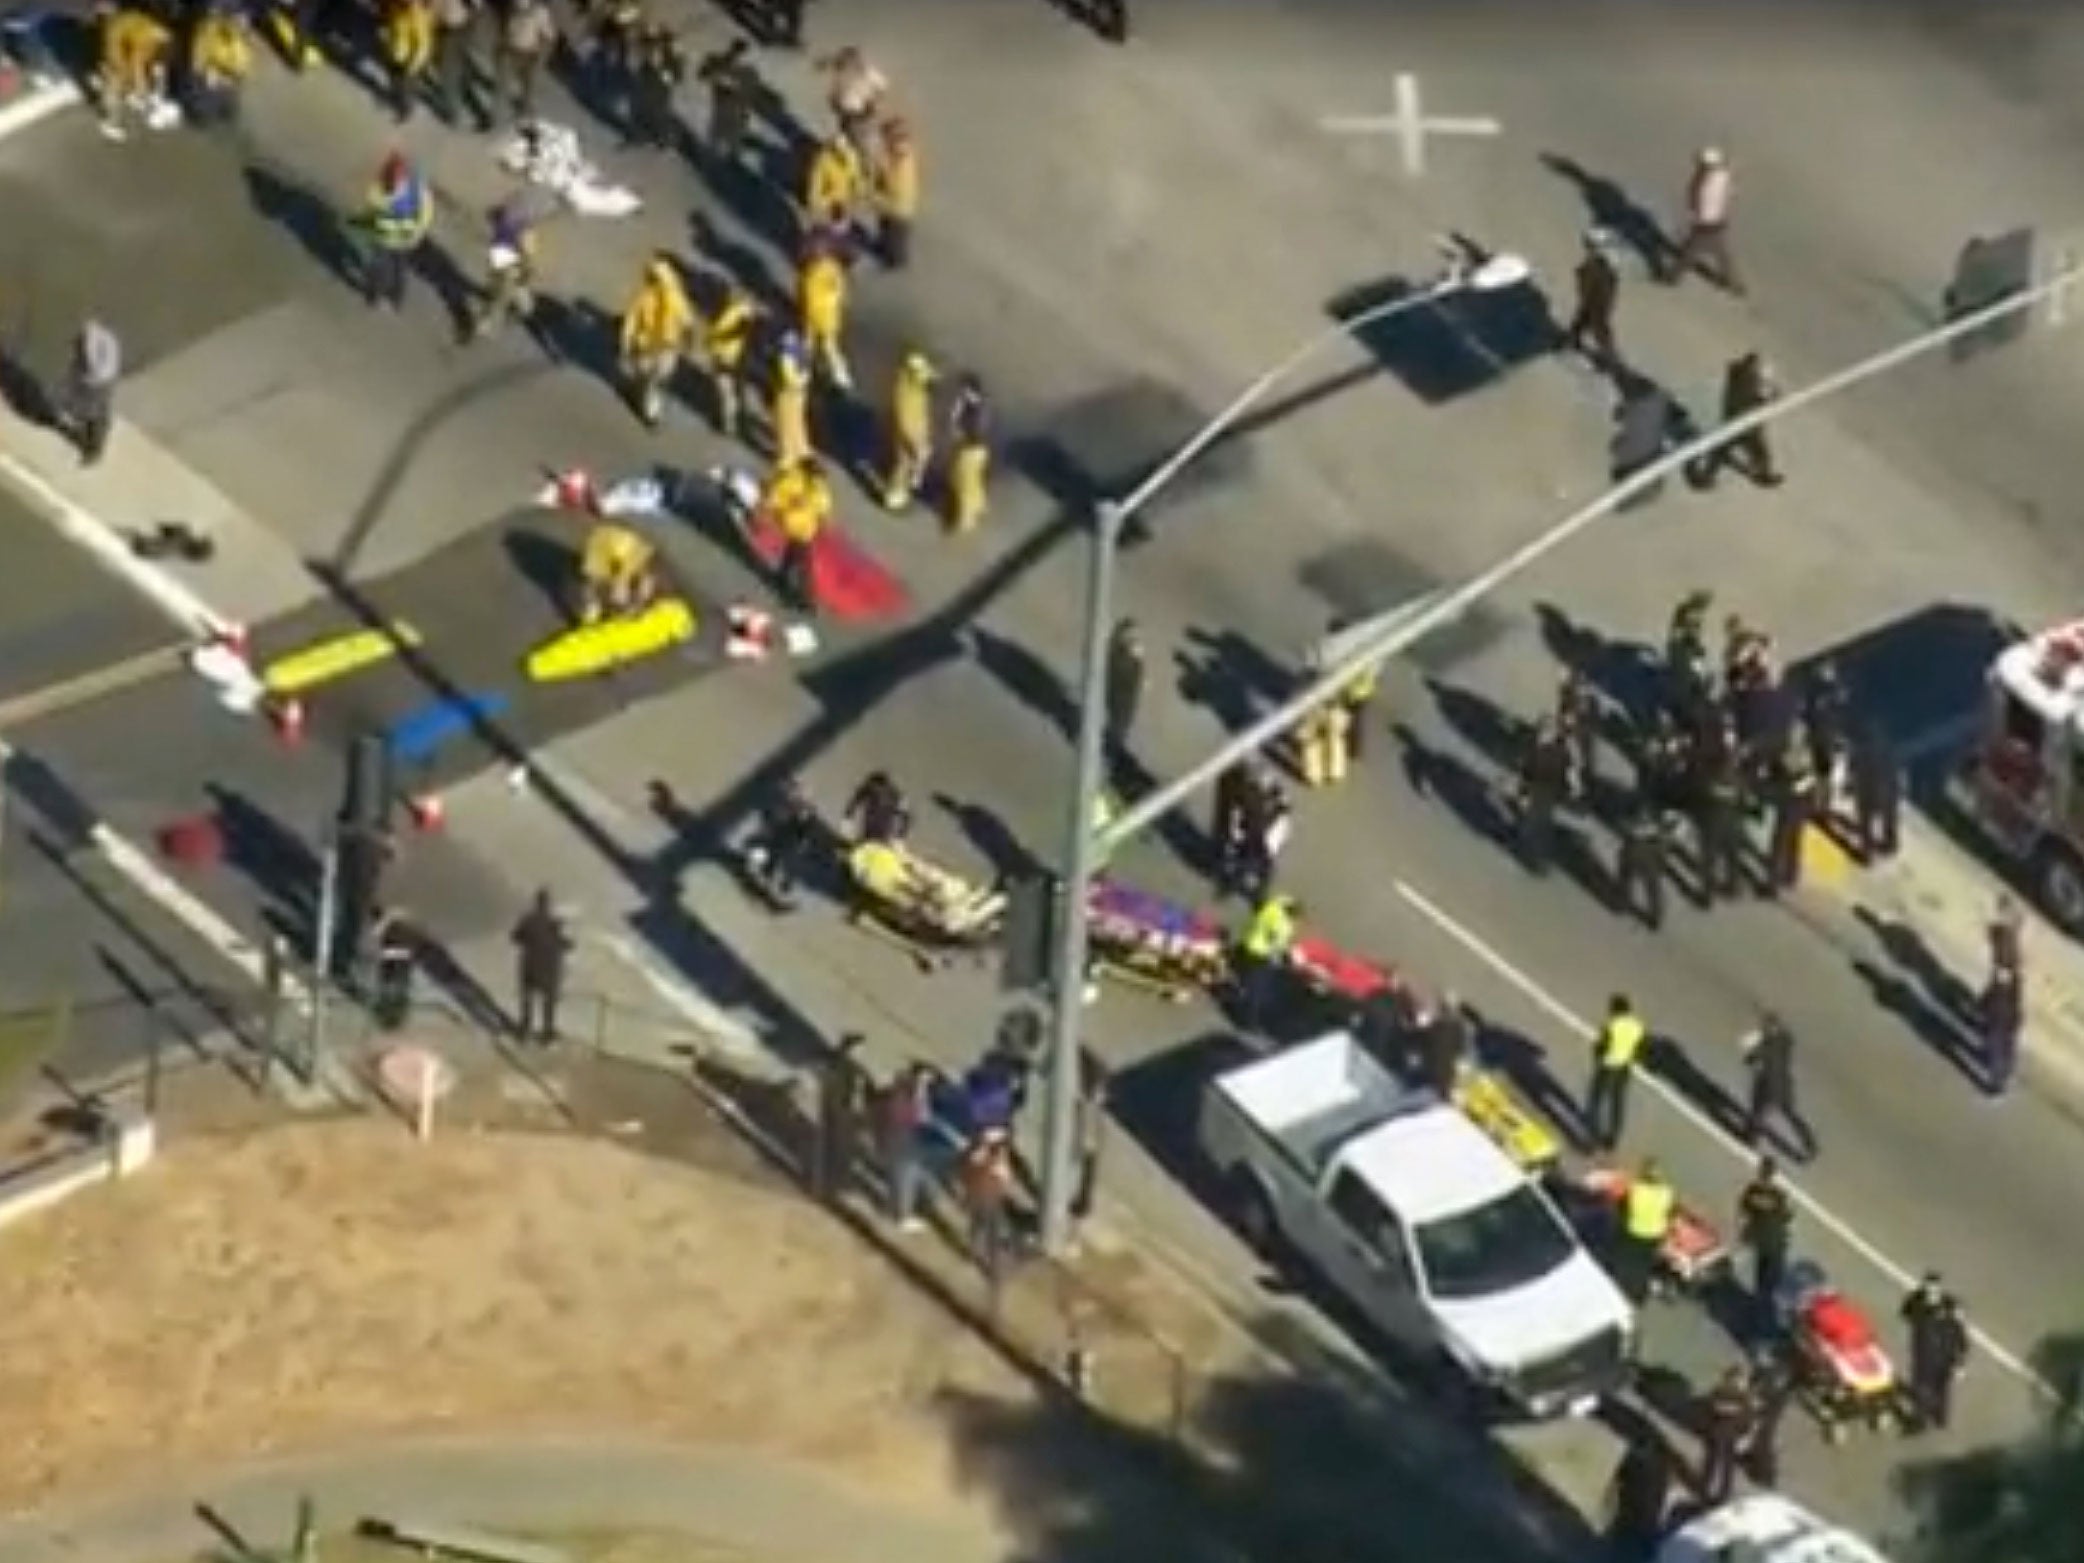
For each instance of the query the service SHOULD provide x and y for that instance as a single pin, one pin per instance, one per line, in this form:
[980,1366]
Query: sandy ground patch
[327,1284]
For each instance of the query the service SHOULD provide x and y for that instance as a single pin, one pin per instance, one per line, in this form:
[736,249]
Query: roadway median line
[1822,1214]
[81,689]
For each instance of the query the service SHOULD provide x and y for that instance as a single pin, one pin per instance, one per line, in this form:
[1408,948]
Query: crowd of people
[478,65]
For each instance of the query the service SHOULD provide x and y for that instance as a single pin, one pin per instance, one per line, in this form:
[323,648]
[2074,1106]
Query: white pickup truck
[1420,1220]
[1764,1527]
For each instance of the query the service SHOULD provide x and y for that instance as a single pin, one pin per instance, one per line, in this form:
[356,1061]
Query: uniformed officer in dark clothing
[1938,1350]
[842,1110]
[659,70]
[730,77]
[1877,796]
[781,845]
[1826,720]
[1775,1386]
[1794,806]
[1639,1496]
[1747,385]
[1577,725]
[1664,766]
[1720,820]
[1639,869]
[1769,1053]
[1544,783]
[1229,820]
[541,944]
[878,809]
[1591,329]
[2003,1016]
[1727,1421]
[1686,640]
[1765,1221]
[1124,680]
[1444,1047]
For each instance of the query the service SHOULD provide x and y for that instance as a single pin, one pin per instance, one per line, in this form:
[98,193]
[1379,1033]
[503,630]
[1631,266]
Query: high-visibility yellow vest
[1271,930]
[1620,1042]
[1647,1212]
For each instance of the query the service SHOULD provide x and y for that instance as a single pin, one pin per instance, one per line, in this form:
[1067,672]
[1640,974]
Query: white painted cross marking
[1410,125]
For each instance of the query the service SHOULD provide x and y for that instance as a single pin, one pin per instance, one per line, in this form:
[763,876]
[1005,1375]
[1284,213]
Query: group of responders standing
[1719,749]
[858,196]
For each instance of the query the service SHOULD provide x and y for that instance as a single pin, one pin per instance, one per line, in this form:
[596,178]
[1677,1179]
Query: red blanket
[845,578]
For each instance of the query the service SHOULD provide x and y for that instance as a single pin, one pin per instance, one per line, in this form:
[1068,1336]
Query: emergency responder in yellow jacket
[220,56]
[788,401]
[398,215]
[1321,738]
[821,297]
[617,573]
[896,190]
[1616,1050]
[969,456]
[798,499]
[657,328]
[911,430]
[134,50]
[1357,697]
[1261,954]
[833,185]
[726,341]
[408,39]
[1647,1210]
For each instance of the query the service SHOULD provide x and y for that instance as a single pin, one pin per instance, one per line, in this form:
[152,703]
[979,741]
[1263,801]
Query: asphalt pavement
[1113,302]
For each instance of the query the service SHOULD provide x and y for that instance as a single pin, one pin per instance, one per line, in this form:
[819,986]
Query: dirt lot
[325,1284]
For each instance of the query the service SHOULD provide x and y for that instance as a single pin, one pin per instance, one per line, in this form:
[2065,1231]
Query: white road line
[1824,1217]
[37,105]
[715,1024]
[109,549]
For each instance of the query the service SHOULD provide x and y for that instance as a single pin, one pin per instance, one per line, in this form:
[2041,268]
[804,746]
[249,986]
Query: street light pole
[1083,851]
[1397,634]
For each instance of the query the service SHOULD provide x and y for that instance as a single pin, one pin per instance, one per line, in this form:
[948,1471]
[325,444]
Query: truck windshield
[1508,1243]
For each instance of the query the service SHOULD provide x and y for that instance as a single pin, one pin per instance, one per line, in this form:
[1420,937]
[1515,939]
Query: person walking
[1640,866]
[726,344]
[1321,740]
[541,943]
[906,1113]
[1123,683]
[1765,1224]
[1769,1054]
[526,39]
[987,1191]
[788,400]
[87,409]
[660,68]
[1646,1222]
[1938,1351]
[842,1102]
[657,328]
[455,24]
[510,260]
[733,82]
[969,456]
[1748,384]
[821,301]
[1445,1046]
[398,215]
[408,42]
[1877,795]
[1590,333]
[1727,1422]
[799,499]
[1615,1052]
[1639,1497]
[1262,954]
[220,58]
[2002,1014]
[1094,1085]
[894,186]
[2007,939]
[1704,245]
[911,430]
